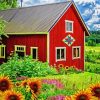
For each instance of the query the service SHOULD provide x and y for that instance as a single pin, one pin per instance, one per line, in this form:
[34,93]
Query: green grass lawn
[81,80]
[72,84]
[94,48]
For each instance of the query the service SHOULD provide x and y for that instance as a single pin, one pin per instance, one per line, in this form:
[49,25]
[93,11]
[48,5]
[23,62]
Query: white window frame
[4,51]
[76,52]
[16,46]
[36,52]
[69,21]
[60,54]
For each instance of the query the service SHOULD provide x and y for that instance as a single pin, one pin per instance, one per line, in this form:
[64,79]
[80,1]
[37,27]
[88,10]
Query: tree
[5,4]
[2,27]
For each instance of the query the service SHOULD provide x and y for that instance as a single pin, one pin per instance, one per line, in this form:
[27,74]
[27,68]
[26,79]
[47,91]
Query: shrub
[91,43]
[94,68]
[90,56]
[26,66]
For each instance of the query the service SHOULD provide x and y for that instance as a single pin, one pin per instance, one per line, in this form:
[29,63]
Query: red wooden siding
[39,41]
[58,33]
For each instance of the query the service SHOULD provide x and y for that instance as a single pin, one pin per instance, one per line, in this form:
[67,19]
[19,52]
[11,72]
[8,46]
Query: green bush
[94,68]
[91,43]
[90,56]
[26,66]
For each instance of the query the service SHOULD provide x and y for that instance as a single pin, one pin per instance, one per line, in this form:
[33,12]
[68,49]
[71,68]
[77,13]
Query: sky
[89,9]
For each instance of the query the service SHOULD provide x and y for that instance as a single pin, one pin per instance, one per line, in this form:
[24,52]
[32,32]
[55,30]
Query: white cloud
[96,26]
[84,1]
[87,12]
[97,9]
[47,1]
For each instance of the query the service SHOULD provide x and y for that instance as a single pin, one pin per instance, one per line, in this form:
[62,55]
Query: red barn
[53,32]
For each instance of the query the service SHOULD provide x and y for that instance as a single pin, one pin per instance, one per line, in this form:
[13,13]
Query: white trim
[27,33]
[20,50]
[36,51]
[76,52]
[48,47]
[60,53]
[4,51]
[69,21]
[84,50]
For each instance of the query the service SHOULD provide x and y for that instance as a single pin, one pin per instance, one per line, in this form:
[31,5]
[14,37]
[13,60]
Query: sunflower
[95,89]
[83,95]
[1,95]
[5,83]
[34,85]
[17,84]
[68,98]
[24,83]
[12,95]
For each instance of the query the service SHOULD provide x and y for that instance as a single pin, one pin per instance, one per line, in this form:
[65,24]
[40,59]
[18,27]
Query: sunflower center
[97,92]
[35,88]
[82,97]
[13,97]
[4,85]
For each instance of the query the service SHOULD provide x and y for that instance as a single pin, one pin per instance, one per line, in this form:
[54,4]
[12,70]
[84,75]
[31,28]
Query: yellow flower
[68,98]
[83,95]
[5,83]
[35,85]
[12,95]
[24,83]
[95,89]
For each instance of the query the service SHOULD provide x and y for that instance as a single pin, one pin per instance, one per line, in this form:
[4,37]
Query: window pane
[62,54]
[20,54]
[69,26]
[77,52]
[74,52]
[34,53]
[58,53]
[2,51]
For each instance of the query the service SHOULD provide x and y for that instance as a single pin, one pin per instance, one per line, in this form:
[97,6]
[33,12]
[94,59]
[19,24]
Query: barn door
[34,52]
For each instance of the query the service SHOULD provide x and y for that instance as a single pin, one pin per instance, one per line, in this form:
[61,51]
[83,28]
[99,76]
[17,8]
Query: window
[34,52]
[20,50]
[2,51]
[76,52]
[60,53]
[69,26]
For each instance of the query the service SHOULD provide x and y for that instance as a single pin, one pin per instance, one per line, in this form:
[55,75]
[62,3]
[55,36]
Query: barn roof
[32,19]
[39,18]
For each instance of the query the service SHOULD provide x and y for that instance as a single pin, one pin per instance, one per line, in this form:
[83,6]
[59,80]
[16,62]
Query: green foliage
[94,38]
[94,68]
[72,83]
[6,4]
[49,90]
[91,43]
[27,94]
[2,26]
[91,56]
[68,70]
[26,66]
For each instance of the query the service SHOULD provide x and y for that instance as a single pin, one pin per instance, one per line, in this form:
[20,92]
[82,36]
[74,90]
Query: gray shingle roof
[33,19]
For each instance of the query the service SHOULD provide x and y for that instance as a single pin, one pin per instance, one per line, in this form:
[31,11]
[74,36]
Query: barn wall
[58,33]
[39,41]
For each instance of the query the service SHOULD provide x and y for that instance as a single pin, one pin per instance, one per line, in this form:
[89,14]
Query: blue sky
[89,9]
